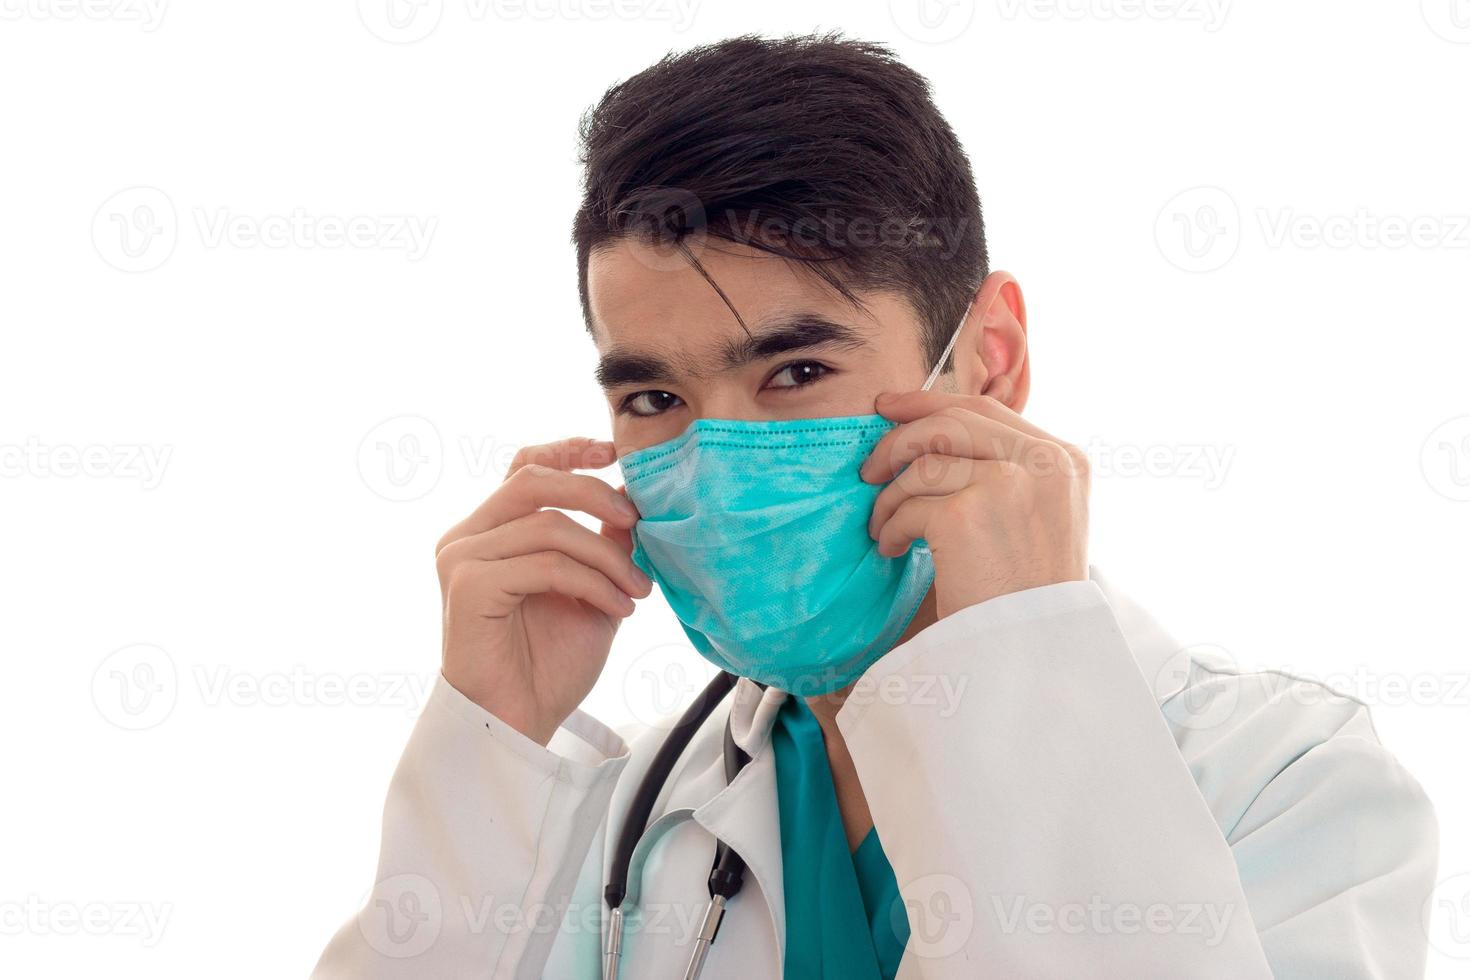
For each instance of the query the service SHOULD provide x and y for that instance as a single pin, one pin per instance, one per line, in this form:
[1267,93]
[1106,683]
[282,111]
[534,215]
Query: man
[964,754]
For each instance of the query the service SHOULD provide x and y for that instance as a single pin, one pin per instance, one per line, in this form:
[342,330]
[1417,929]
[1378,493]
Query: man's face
[672,351]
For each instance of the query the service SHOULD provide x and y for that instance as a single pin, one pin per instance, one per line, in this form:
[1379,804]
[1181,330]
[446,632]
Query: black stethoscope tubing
[728,871]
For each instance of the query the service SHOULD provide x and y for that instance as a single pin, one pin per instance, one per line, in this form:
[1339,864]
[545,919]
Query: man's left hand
[1002,504]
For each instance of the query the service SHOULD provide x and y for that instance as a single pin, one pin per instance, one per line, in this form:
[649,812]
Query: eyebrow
[785,335]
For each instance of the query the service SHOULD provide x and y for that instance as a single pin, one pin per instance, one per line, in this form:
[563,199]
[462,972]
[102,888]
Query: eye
[799,374]
[648,403]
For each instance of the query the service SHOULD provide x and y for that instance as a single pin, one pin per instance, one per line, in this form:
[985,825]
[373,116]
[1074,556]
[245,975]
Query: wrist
[509,710]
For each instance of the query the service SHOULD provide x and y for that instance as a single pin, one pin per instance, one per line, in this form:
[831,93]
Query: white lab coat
[1093,804]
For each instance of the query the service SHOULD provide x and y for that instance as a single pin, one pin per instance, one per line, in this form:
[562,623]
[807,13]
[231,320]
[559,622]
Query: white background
[219,614]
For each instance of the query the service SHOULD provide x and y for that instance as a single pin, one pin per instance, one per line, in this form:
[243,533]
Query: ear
[991,357]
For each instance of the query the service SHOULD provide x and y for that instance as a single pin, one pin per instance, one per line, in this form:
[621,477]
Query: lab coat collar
[753,713]
[745,814]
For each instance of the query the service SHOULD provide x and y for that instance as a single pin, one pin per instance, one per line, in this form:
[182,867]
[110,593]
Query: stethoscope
[728,872]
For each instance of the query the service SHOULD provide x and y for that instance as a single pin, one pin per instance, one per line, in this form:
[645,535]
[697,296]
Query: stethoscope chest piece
[728,872]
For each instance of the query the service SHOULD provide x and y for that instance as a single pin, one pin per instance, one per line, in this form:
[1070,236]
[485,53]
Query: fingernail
[625,507]
[641,579]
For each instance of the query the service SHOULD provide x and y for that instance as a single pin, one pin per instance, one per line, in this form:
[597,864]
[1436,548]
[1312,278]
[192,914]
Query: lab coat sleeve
[484,832]
[1042,821]
[1338,850]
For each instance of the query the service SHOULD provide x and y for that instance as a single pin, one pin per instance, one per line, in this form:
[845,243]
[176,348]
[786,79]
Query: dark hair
[823,150]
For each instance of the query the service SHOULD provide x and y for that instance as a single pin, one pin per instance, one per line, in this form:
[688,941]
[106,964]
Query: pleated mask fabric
[757,534]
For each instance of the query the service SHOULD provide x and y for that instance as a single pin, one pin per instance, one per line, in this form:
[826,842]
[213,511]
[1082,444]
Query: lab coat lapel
[745,814]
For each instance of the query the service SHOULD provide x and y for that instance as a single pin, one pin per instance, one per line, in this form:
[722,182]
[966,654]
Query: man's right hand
[532,599]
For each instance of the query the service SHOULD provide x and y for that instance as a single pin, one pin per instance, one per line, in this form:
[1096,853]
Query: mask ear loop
[948,349]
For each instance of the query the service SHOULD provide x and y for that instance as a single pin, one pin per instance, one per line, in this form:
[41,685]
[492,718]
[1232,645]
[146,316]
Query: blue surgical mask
[757,535]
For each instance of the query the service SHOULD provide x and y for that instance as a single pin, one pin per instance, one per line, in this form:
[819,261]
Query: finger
[577,453]
[619,535]
[907,524]
[548,530]
[931,475]
[503,585]
[533,487]
[907,406]
[951,431]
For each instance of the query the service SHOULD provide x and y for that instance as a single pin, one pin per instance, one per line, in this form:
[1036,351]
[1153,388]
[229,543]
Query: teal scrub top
[844,917]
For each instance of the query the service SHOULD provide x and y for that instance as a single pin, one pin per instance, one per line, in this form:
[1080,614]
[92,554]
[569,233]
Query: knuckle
[552,521]
[1012,474]
[525,480]
[444,562]
[1081,465]
[517,478]
[958,509]
[939,470]
[459,584]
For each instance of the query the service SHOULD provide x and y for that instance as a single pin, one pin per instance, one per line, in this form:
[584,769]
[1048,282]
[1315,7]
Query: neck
[857,820]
